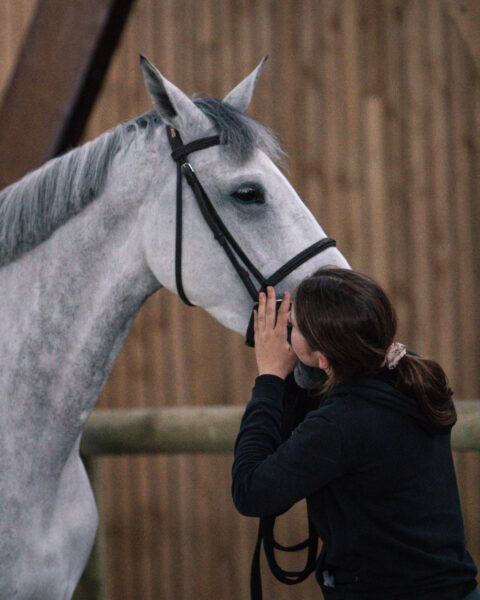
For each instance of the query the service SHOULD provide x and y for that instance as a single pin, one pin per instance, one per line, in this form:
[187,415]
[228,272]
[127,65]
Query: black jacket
[379,481]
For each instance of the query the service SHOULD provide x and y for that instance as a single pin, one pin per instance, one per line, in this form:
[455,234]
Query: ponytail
[425,380]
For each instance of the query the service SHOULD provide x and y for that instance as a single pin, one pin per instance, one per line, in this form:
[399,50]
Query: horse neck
[67,307]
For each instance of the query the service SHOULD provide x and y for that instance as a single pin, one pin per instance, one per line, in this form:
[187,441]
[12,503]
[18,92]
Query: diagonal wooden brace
[58,75]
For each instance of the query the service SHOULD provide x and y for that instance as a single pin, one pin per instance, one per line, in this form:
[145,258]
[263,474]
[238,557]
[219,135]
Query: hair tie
[394,354]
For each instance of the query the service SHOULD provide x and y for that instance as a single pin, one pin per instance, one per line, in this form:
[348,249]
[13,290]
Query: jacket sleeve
[269,476]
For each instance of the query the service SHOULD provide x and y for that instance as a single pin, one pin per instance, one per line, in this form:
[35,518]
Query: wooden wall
[377,103]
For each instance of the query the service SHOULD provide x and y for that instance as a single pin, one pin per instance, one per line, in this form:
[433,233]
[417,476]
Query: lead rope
[265,534]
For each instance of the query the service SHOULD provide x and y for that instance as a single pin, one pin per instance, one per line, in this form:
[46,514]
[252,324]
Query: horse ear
[175,107]
[241,95]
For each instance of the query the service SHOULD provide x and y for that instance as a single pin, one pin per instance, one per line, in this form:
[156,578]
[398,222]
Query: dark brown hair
[348,317]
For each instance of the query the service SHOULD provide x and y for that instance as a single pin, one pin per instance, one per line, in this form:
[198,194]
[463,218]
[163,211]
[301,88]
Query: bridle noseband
[180,152]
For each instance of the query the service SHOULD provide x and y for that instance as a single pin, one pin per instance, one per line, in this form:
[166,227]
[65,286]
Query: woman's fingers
[266,317]
[283,311]
[261,311]
[270,309]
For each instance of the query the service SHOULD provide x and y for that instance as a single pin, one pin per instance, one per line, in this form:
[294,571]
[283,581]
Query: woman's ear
[322,361]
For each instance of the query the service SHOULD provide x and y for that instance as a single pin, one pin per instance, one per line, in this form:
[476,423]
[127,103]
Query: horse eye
[250,194]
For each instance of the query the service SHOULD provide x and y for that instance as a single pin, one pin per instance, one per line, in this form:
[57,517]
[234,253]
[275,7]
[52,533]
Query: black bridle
[180,152]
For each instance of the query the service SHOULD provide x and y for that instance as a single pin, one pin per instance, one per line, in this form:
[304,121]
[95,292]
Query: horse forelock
[35,206]
[240,133]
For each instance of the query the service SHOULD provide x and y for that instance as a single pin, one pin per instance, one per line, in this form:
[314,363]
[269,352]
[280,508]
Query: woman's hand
[273,352]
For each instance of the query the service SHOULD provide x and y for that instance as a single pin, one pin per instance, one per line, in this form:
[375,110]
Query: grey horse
[84,240]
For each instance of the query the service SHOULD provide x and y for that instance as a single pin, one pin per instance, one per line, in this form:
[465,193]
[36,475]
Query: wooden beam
[185,429]
[58,75]
[466,16]
[208,429]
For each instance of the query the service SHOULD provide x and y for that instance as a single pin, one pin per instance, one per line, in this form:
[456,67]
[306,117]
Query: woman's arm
[268,476]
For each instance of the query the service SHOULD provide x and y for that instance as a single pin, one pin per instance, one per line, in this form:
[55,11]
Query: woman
[373,459]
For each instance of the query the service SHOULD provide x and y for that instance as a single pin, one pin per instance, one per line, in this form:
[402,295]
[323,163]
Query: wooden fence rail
[209,429]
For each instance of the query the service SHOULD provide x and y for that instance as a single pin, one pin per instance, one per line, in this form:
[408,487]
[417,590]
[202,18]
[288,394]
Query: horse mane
[35,206]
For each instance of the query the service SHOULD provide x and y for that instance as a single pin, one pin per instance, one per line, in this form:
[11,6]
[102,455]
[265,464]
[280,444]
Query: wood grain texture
[378,105]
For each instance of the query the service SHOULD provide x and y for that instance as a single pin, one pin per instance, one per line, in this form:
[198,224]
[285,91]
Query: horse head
[264,221]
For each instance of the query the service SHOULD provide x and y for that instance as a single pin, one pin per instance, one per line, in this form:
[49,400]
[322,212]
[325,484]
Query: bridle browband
[180,152]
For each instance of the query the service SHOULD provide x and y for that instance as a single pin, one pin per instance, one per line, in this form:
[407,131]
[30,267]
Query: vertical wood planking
[415,164]
[378,106]
[471,476]
[463,78]
[313,170]
[367,19]
[443,262]
[349,90]
[374,139]
[371,99]
[331,72]
[398,250]
[462,119]
[376,187]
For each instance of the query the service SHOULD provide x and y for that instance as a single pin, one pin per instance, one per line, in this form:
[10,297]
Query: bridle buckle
[189,172]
